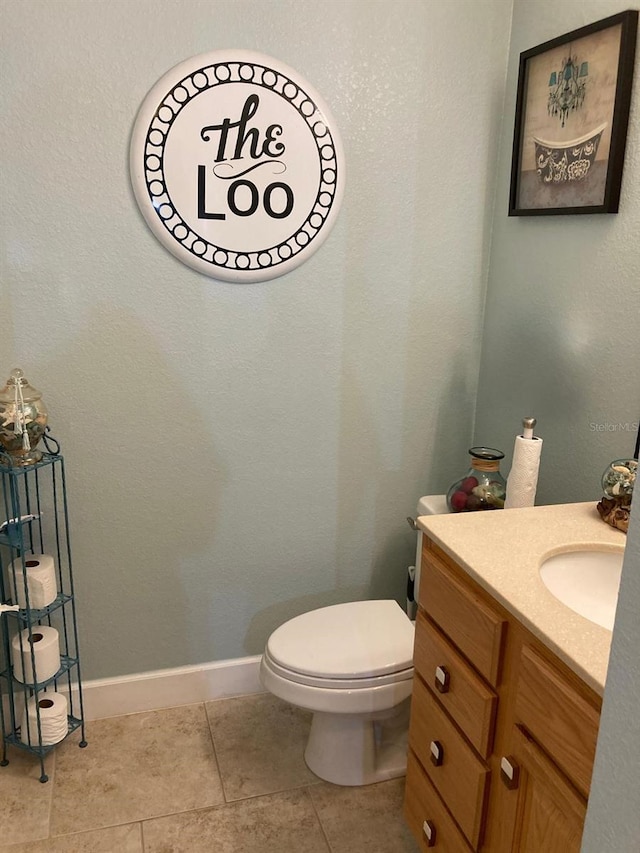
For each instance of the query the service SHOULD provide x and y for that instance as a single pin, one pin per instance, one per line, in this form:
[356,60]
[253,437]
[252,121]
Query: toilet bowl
[351,665]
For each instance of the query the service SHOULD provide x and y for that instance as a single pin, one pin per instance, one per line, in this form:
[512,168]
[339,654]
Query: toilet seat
[354,642]
[364,683]
[374,698]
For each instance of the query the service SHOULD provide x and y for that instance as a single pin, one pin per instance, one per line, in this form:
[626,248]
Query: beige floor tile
[135,767]
[364,820]
[260,743]
[115,839]
[25,802]
[278,823]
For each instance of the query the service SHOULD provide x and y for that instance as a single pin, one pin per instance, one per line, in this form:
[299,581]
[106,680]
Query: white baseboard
[167,688]
[162,688]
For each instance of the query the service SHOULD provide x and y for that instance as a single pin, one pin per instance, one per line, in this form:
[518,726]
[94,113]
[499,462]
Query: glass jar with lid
[23,418]
[483,486]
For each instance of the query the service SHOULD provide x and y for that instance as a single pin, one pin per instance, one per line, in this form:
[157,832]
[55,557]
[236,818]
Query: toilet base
[359,749]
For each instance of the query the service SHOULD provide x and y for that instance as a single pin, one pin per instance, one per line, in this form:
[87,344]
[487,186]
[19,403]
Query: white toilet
[352,665]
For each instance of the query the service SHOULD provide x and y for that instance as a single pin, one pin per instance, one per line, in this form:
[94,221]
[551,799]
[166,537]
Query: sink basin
[587,582]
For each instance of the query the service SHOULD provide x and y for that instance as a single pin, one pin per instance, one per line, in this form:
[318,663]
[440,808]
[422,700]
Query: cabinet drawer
[460,778]
[423,805]
[465,696]
[474,627]
[558,717]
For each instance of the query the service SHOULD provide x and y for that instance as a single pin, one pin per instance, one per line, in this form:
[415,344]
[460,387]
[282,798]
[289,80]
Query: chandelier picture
[576,168]
[567,88]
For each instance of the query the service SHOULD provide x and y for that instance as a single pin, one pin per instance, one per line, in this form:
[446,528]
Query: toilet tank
[427,505]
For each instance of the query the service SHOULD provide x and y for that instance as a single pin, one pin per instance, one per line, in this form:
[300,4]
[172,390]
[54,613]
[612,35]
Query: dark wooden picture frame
[572,114]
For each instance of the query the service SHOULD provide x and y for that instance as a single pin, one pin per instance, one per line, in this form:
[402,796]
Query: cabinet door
[558,717]
[549,813]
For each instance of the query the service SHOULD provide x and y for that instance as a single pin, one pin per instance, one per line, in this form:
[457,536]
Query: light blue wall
[559,340]
[239,454]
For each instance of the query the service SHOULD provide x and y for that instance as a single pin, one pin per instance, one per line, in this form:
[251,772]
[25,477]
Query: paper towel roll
[522,481]
[46,650]
[40,580]
[53,719]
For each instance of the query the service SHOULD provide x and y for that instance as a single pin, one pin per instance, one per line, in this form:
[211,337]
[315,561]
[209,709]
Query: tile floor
[221,777]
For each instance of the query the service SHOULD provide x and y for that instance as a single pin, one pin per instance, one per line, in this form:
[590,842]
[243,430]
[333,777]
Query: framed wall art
[572,113]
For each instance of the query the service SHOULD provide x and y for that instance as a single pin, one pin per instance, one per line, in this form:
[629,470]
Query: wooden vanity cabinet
[502,735]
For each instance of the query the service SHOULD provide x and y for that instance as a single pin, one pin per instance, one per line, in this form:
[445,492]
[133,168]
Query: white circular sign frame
[263,113]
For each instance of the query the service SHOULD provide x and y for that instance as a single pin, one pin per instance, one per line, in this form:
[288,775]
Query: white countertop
[502,550]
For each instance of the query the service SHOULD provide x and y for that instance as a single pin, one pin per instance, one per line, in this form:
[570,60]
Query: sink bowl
[587,582]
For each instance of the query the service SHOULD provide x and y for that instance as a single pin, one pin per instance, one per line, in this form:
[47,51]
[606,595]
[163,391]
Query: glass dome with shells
[619,479]
[23,419]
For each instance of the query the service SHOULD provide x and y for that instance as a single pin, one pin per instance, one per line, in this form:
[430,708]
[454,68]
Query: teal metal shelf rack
[34,520]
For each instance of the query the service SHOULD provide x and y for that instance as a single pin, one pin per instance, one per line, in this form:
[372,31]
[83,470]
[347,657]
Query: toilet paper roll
[54,726]
[46,651]
[40,580]
[522,481]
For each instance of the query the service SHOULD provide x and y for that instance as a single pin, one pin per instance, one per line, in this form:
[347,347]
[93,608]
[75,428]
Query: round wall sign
[237,165]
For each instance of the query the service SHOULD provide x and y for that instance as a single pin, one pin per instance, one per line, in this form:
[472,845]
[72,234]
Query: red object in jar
[458,501]
[482,487]
[468,484]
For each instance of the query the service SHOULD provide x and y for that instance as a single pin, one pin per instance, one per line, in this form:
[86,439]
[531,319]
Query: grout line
[73,834]
[303,788]
[142,845]
[215,752]
[299,787]
[322,830]
[143,820]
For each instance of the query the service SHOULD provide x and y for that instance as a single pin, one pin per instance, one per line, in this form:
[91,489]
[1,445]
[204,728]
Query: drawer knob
[442,679]
[437,752]
[429,830]
[509,772]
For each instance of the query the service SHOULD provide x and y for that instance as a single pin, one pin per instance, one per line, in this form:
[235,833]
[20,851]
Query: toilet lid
[354,640]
